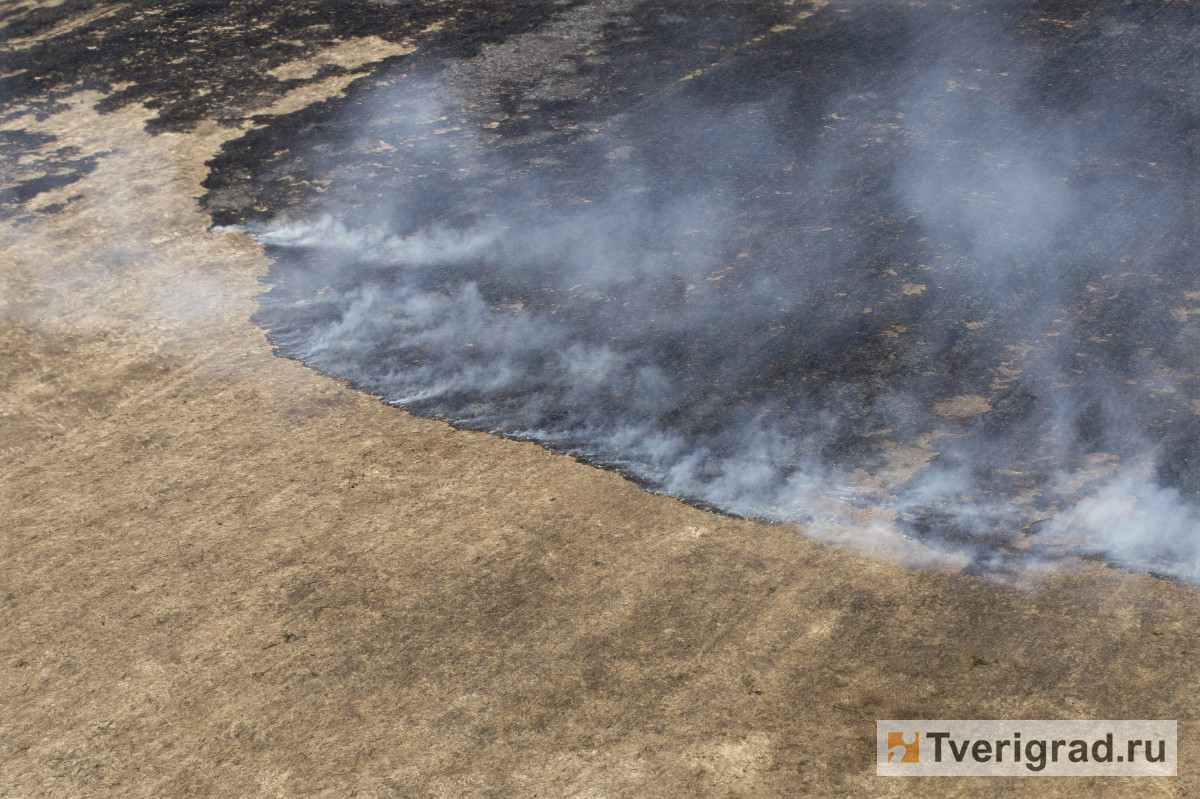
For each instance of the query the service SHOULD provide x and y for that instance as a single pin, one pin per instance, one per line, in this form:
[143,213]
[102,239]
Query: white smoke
[650,322]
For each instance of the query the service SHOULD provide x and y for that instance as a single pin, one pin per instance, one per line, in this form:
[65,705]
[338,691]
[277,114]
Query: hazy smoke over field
[947,272]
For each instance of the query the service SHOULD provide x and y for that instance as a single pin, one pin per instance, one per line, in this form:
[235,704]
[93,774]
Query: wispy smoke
[949,281]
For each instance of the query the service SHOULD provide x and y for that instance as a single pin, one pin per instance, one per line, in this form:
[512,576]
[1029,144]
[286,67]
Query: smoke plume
[935,261]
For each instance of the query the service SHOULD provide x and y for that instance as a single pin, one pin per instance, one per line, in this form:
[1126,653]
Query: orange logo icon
[904,747]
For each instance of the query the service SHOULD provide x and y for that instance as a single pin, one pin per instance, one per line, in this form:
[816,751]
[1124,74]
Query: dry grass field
[225,575]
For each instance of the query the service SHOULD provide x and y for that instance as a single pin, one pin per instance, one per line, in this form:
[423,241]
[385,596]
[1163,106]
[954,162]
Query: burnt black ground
[795,137]
[796,132]
[209,61]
